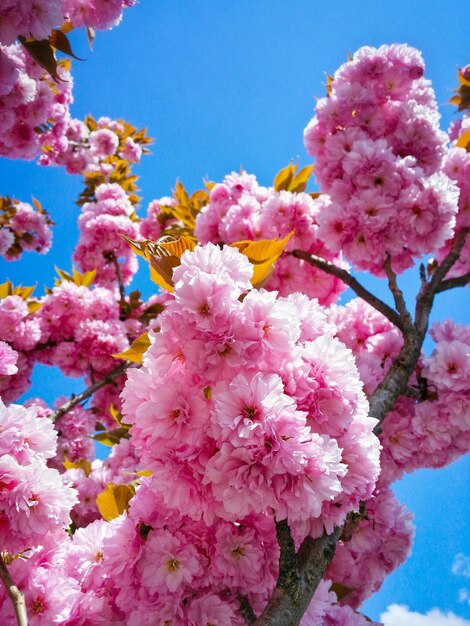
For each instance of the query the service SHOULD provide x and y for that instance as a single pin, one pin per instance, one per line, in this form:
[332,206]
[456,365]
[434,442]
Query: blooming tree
[255,424]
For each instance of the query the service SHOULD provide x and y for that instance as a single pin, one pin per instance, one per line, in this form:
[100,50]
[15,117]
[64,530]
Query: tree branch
[451,283]
[247,612]
[313,558]
[86,393]
[352,282]
[110,256]
[397,293]
[15,594]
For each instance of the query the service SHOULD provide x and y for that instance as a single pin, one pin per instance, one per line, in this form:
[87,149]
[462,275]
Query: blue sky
[224,84]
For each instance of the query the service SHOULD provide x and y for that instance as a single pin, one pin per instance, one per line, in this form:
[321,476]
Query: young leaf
[114,501]
[283,178]
[59,40]
[300,180]
[262,254]
[112,437]
[83,464]
[137,349]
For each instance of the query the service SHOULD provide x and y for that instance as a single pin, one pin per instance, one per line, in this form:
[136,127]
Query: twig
[15,594]
[122,292]
[397,293]
[247,612]
[352,282]
[450,283]
[86,393]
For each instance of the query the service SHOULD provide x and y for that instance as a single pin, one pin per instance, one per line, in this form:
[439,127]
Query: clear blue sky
[224,84]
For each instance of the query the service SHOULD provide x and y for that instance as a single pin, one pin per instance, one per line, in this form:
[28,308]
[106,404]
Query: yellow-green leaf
[88,278]
[83,464]
[111,437]
[137,349]
[6,289]
[33,306]
[284,177]
[114,501]
[300,180]
[262,254]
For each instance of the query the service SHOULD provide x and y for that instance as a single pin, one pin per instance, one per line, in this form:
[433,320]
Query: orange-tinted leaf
[262,254]
[284,177]
[300,180]
[114,501]
[66,27]
[59,40]
[464,141]
[83,464]
[137,349]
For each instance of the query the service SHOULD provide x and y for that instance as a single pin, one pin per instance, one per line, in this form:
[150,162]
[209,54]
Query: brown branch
[313,558]
[352,282]
[397,294]
[285,607]
[451,283]
[110,256]
[395,382]
[86,393]
[15,594]
[247,612]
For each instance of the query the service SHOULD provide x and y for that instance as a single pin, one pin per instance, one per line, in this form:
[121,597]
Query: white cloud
[461,565]
[464,596]
[399,615]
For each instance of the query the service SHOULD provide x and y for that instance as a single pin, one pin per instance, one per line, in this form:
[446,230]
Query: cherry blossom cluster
[240,209]
[23,227]
[35,502]
[30,101]
[100,246]
[436,431]
[153,225]
[379,153]
[265,411]
[8,359]
[457,167]
[22,332]
[81,329]
[36,18]
[85,146]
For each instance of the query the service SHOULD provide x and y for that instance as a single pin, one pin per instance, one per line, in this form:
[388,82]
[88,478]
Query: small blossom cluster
[32,106]
[81,329]
[36,18]
[435,431]
[23,228]
[379,153]
[259,383]
[35,502]
[100,246]
[152,226]
[8,359]
[240,209]
[22,332]
[380,542]
[457,167]
[83,147]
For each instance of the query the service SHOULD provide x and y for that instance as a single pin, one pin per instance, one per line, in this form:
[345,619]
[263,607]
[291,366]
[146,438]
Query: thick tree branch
[284,607]
[15,594]
[86,393]
[313,558]
[352,282]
